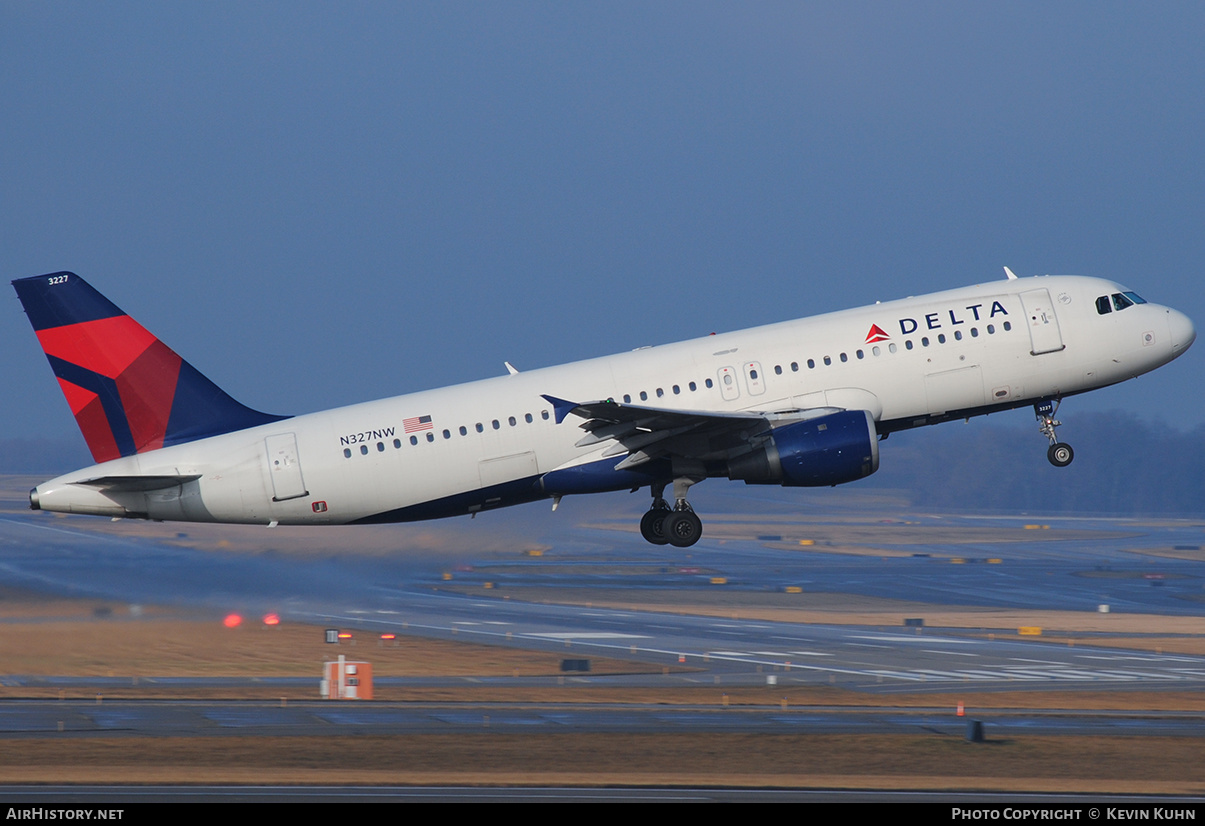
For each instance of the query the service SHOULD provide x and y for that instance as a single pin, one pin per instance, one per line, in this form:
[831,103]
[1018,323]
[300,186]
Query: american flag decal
[416,424]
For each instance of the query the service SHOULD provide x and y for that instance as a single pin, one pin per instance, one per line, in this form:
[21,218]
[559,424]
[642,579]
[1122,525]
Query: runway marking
[586,635]
[952,675]
[1139,658]
[1027,660]
[811,654]
[919,640]
[950,653]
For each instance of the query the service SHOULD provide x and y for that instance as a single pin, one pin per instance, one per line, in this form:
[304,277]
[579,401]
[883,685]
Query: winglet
[560,407]
[1009,273]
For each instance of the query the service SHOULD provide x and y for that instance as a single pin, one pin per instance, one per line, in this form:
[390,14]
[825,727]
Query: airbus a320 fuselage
[800,403]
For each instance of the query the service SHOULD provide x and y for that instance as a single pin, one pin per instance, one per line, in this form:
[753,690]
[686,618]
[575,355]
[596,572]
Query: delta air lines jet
[798,403]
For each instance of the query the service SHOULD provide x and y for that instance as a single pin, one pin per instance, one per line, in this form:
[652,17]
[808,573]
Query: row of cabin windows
[708,383]
[828,360]
[447,434]
[675,389]
[891,348]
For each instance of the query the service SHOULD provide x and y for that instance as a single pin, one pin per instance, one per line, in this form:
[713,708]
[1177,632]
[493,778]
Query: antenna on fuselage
[1011,276]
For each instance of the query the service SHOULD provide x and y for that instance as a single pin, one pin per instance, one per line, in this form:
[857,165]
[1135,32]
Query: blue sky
[324,203]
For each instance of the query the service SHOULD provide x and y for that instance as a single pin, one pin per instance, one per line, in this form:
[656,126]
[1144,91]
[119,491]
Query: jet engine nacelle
[828,450]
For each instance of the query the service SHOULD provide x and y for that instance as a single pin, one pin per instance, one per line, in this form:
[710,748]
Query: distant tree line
[1123,466]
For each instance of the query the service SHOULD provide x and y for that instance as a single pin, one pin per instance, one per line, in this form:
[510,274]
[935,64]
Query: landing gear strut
[1059,453]
[678,526]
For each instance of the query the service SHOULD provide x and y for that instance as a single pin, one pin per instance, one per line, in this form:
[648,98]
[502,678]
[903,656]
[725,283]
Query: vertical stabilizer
[129,391]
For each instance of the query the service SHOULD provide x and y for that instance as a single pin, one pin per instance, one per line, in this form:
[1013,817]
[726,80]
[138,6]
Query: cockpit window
[1103,306]
[1120,302]
[1135,297]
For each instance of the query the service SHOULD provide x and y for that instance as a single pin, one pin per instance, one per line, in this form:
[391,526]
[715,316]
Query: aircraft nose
[1183,334]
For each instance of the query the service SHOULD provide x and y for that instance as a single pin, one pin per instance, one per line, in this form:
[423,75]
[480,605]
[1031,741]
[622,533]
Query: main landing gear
[677,526]
[1059,453]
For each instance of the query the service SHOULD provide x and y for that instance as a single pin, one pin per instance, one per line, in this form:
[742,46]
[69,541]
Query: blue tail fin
[129,391]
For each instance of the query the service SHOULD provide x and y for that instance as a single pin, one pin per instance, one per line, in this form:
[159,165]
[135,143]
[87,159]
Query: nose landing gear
[1059,453]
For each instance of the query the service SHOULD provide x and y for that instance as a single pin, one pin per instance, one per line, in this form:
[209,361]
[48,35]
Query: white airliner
[798,403]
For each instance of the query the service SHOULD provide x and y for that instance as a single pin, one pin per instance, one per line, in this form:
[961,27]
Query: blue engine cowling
[827,450]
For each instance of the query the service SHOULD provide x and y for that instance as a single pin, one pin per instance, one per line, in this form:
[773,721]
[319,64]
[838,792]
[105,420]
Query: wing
[648,433]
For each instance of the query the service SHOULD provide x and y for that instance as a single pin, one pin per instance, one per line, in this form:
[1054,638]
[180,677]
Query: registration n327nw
[799,403]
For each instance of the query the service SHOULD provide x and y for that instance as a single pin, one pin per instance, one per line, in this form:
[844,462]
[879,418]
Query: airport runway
[1093,562]
[159,718]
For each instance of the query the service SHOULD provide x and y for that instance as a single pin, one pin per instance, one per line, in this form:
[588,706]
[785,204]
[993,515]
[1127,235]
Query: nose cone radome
[1183,334]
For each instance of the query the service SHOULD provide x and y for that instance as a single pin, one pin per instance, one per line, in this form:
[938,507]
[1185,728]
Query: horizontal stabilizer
[137,484]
